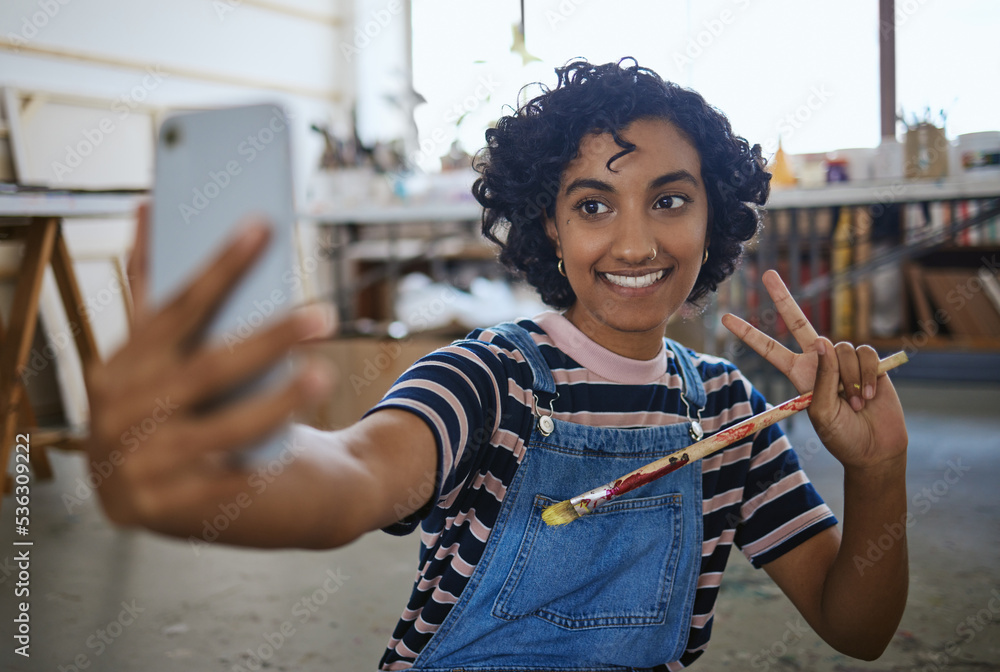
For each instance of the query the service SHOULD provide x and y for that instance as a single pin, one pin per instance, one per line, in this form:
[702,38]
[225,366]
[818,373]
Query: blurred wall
[153,56]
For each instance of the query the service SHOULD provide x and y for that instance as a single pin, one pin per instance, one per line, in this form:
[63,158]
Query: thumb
[826,398]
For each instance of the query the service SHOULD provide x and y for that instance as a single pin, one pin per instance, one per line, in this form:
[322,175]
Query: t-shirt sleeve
[780,508]
[459,391]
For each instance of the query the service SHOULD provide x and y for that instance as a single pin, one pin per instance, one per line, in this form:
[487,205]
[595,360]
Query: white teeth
[634,281]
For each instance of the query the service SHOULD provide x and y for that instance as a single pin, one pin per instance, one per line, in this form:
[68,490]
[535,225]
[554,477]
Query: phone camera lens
[171,136]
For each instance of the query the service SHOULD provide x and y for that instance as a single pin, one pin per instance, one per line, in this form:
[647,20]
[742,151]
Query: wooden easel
[43,245]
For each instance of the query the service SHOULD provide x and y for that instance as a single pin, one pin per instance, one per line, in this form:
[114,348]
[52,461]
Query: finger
[850,374]
[790,312]
[178,453]
[219,368]
[324,321]
[868,359]
[778,355]
[183,319]
[237,425]
[152,354]
[137,269]
[212,372]
[199,445]
[826,400]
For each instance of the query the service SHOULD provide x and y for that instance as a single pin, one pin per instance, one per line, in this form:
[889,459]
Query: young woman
[619,197]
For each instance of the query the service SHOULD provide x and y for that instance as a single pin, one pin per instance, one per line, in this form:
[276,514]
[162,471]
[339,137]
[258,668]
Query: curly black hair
[525,155]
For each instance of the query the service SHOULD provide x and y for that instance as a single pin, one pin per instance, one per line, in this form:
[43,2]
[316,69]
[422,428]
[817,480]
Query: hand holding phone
[189,390]
[215,170]
[154,460]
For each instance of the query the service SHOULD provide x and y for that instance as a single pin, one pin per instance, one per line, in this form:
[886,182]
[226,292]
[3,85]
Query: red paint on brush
[635,480]
[723,438]
[798,403]
[734,434]
[741,431]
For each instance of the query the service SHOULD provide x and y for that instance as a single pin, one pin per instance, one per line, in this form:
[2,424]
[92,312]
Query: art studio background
[882,124]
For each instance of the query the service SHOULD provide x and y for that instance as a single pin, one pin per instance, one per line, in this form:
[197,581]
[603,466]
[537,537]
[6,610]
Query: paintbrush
[569,510]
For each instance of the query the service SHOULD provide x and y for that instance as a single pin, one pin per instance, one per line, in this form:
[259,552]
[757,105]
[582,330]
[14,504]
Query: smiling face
[632,240]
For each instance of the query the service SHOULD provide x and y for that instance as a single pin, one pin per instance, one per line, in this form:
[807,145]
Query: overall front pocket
[614,567]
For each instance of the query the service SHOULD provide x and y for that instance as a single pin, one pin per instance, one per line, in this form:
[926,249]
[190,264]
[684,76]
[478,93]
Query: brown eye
[671,202]
[592,207]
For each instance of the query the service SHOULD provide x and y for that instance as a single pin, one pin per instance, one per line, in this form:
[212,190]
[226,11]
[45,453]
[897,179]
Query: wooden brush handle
[592,499]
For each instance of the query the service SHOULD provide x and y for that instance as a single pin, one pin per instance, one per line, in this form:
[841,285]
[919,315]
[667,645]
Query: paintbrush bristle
[560,514]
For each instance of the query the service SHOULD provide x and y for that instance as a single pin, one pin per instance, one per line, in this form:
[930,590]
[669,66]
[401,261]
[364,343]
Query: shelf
[923,343]
[947,363]
[887,191]
[408,249]
[849,194]
[398,213]
[97,204]
[70,204]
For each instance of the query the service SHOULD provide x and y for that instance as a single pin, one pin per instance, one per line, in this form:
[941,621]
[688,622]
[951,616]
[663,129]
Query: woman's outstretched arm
[325,488]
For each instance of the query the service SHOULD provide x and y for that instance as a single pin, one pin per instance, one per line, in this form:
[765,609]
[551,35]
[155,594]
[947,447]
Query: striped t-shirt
[475,395]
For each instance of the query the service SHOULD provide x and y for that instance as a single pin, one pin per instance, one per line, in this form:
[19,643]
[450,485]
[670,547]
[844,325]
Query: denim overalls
[613,590]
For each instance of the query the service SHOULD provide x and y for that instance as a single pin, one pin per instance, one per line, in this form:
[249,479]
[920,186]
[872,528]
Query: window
[807,71]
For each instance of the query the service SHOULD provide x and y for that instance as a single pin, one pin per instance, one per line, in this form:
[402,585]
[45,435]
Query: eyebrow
[676,176]
[589,183]
[601,185]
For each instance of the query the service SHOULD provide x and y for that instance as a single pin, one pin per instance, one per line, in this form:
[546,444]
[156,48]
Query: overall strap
[539,368]
[694,388]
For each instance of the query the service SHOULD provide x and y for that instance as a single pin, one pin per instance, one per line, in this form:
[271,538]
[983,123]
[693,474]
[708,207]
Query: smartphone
[213,170]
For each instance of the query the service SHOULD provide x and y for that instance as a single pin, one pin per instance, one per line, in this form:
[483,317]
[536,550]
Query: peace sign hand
[864,425]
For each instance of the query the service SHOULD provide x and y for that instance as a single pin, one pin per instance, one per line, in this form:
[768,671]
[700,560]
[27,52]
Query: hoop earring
[705,258]
[561,268]
[654,253]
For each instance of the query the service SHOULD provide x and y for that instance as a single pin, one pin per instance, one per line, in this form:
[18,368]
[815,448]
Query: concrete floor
[102,599]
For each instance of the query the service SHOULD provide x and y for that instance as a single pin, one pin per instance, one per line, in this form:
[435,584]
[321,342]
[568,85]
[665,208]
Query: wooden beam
[72,300]
[21,329]
[887,65]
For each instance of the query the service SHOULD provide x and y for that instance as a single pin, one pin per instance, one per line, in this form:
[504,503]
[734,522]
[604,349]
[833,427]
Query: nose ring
[654,253]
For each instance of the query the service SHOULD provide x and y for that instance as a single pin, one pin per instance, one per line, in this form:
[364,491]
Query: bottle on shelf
[843,303]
